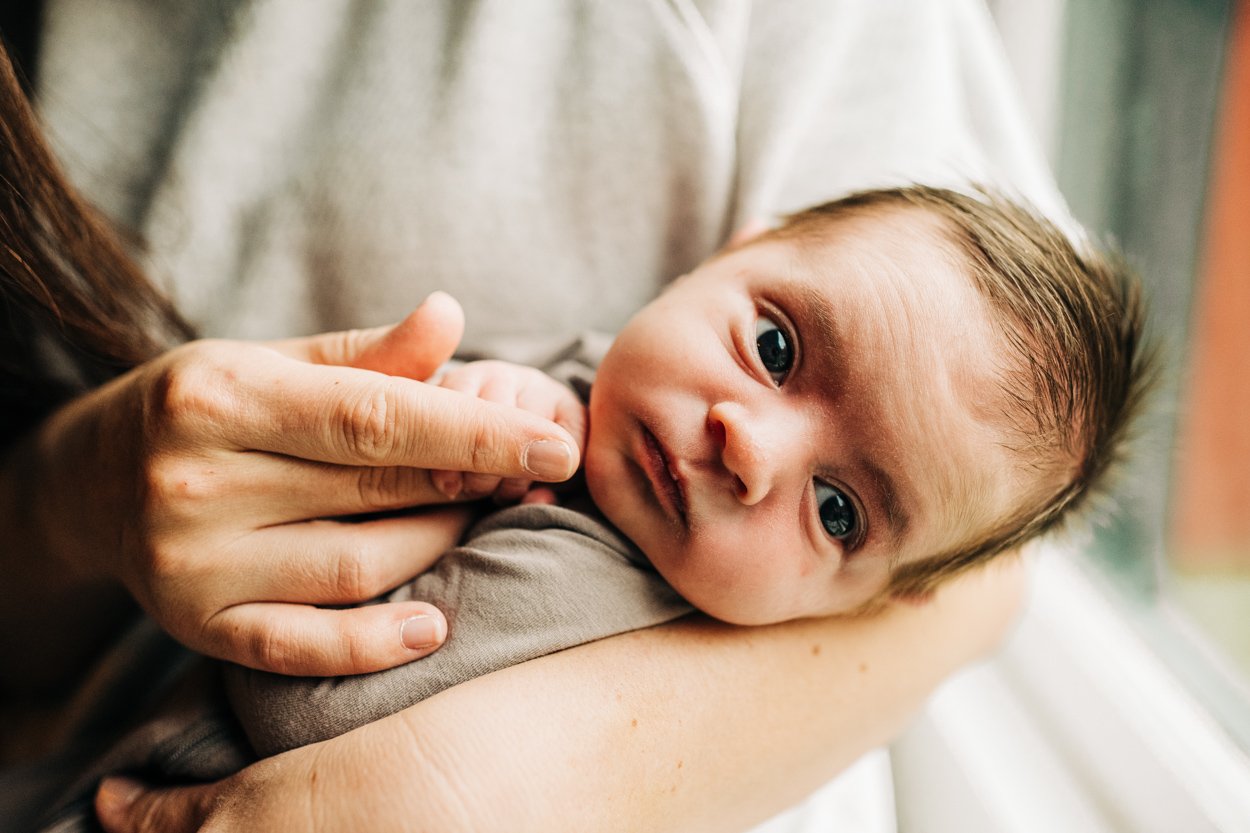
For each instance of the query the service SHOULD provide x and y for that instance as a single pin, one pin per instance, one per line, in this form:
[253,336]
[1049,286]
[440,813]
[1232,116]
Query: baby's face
[793,419]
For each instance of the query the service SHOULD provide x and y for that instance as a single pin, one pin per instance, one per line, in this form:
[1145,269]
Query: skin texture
[717,462]
[715,455]
[213,468]
[481,751]
[780,710]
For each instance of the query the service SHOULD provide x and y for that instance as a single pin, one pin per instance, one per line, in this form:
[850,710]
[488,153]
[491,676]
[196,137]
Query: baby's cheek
[861,582]
[732,579]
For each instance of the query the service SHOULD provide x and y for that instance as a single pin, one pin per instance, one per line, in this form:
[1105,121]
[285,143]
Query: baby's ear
[748,231]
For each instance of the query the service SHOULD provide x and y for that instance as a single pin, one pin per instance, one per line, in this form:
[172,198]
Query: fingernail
[117,794]
[548,460]
[422,631]
[121,790]
[449,483]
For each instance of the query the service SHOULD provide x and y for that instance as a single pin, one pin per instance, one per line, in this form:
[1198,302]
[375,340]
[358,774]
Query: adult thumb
[414,348]
[127,806]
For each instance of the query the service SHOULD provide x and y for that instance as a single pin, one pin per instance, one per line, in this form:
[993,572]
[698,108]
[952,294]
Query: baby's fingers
[450,483]
[557,403]
[485,381]
[511,489]
[466,486]
[541,495]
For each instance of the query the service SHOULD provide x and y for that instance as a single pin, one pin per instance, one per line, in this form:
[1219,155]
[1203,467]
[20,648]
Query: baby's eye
[837,513]
[774,348]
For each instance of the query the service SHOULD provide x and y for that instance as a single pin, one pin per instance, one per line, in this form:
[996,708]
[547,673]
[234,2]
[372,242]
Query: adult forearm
[693,726]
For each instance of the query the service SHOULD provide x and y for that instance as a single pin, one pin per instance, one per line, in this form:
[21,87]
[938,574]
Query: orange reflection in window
[1211,524]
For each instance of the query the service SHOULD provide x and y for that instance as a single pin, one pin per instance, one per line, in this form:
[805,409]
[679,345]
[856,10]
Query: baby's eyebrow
[825,333]
[816,309]
[895,515]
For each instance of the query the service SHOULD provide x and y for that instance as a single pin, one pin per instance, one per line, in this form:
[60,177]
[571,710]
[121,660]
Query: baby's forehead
[906,243]
[862,225]
[926,351]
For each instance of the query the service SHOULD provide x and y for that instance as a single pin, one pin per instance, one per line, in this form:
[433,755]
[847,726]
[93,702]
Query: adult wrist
[40,526]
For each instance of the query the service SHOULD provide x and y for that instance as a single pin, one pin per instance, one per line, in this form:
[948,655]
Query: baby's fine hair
[1073,317]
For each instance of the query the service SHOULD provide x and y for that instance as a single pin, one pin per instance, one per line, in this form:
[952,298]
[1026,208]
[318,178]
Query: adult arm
[199,484]
[690,726]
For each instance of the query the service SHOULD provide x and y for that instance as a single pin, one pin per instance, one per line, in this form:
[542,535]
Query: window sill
[1076,726]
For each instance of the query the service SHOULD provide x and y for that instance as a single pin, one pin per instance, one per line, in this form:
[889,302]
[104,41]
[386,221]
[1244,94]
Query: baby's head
[883,392]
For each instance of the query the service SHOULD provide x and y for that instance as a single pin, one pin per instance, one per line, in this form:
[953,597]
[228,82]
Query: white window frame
[1077,726]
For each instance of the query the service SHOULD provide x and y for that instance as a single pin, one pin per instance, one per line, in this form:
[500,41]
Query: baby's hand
[519,386]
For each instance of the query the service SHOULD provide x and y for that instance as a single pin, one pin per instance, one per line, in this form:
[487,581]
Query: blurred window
[1153,149]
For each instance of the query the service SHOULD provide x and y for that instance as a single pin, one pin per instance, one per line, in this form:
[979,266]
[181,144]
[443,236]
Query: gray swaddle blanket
[527,581]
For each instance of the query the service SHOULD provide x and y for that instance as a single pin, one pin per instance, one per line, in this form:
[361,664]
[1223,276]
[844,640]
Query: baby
[884,391]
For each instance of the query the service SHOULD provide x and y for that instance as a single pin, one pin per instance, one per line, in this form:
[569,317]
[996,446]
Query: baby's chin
[741,606]
[734,608]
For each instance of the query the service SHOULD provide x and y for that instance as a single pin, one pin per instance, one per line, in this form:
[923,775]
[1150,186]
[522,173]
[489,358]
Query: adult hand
[126,806]
[281,793]
[208,482]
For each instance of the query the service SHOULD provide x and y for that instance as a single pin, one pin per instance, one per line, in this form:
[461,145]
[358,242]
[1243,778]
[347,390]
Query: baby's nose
[749,450]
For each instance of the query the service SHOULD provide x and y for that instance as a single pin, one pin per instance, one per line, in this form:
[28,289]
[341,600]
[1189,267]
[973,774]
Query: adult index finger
[358,417]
